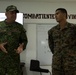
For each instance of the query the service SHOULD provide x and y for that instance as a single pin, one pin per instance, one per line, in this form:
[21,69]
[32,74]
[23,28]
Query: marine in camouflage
[62,44]
[13,34]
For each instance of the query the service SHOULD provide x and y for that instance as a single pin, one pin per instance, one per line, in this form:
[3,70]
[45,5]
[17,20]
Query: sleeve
[50,41]
[23,38]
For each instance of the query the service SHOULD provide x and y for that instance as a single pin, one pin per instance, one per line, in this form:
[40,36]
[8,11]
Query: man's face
[59,16]
[11,16]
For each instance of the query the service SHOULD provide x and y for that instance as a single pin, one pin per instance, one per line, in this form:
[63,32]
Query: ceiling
[50,0]
[43,0]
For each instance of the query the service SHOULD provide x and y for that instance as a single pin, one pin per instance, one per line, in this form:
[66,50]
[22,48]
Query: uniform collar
[8,23]
[66,26]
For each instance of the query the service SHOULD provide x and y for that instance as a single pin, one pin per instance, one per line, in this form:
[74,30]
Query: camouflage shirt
[13,34]
[63,46]
[63,41]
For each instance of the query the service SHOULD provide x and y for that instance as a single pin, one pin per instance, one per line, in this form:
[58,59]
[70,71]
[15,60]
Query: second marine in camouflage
[62,42]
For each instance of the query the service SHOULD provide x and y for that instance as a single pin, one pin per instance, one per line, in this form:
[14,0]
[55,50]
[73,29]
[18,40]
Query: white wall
[30,25]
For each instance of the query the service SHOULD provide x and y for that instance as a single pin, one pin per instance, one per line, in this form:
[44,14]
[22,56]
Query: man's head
[12,8]
[60,14]
[11,13]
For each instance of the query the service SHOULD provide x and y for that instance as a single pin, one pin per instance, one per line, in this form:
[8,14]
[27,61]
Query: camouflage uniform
[13,34]
[63,46]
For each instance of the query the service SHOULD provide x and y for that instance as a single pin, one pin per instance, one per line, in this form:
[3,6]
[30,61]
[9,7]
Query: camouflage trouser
[56,72]
[9,71]
[63,65]
[9,64]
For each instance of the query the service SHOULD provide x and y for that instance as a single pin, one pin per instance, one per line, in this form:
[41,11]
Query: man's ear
[65,15]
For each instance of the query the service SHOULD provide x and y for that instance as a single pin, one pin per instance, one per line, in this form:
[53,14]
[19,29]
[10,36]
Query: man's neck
[9,21]
[62,24]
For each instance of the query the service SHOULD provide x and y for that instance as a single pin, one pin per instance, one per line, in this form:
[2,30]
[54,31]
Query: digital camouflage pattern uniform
[63,46]
[13,34]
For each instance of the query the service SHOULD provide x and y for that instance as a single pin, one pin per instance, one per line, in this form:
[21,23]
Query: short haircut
[63,10]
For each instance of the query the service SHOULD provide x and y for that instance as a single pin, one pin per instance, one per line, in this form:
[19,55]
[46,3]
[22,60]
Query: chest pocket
[70,35]
[15,33]
[56,36]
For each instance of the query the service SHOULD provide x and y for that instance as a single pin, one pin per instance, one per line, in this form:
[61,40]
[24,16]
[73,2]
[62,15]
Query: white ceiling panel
[43,0]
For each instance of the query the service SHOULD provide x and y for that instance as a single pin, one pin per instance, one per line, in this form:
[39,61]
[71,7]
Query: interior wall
[30,25]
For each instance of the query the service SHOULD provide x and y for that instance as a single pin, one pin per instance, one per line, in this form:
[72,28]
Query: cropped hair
[63,10]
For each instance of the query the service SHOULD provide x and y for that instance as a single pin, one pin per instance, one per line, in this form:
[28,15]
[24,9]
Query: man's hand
[20,48]
[2,47]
